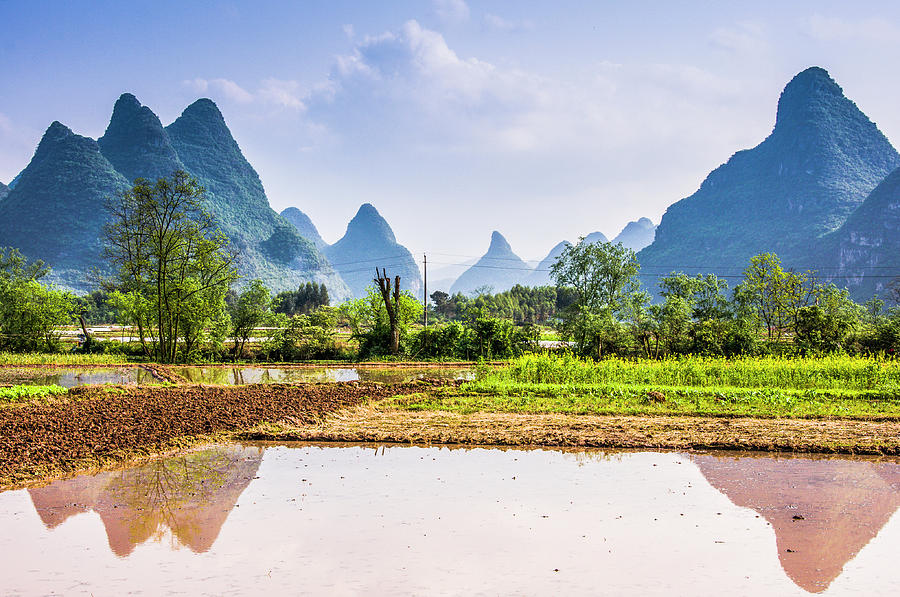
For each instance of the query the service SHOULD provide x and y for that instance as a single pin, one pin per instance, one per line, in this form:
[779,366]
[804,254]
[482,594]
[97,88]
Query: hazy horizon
[453,118]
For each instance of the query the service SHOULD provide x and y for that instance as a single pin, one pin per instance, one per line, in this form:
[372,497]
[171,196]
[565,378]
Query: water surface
[304,519]
[70,378]
[251,375]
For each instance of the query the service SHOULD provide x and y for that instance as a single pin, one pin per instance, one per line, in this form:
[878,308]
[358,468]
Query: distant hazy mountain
[499,268]
[596,237]
[820,162]
[304,226]
[636,235]
[55,211]
[541,274]
[866,249]
[369,243]
[4,191]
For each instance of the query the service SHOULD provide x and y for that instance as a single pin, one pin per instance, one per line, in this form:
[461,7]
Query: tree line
[172,278]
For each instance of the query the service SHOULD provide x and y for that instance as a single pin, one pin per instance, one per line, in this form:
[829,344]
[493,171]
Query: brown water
[250,375]
[70,378]
[351,520]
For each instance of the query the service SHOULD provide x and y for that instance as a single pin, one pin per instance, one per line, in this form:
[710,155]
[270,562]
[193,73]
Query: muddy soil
[96,426]
[368,423]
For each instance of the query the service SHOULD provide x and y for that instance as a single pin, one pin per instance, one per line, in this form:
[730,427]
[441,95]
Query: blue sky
[544,120]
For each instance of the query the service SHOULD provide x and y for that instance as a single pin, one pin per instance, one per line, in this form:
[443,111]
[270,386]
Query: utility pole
[425,256]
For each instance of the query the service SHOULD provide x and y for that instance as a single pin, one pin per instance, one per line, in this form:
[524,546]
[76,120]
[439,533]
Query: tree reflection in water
[191,495]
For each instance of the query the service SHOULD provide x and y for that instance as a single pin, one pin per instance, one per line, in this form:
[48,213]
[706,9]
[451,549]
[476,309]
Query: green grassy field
[769,387]
[37,358]
[838,372]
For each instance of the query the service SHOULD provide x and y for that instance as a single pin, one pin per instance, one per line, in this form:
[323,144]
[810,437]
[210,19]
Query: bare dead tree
[391,305]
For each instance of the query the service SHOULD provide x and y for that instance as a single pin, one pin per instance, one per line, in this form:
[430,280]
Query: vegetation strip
[25,393]
[368,423]
[115,423]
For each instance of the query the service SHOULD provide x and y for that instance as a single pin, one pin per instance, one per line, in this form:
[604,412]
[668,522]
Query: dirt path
[370,424]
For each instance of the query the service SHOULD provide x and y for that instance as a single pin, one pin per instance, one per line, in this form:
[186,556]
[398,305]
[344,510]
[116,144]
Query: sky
[543,120]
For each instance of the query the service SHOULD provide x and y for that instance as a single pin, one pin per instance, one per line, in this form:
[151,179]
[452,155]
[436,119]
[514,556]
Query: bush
[482,338]
[306,337]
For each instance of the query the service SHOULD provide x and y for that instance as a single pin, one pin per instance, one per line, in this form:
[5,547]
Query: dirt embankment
[368,423]
[96,426]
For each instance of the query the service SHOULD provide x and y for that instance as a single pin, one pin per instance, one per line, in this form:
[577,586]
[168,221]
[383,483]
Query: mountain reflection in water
[823,511]
[427,520]
[191,495]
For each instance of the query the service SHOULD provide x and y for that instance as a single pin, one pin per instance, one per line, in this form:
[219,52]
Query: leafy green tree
[173,266]
[30,313]
[776,296]
[250,310]
[95,308]
[305,337]
[306,299]
[705,295]
[602,276]
[826,326]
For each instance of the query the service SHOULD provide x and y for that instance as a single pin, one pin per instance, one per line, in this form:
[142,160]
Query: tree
[250,311]
[306,299]
[30,313]
[602,275]
[370,323]
[391,306]
[777,296]
[173,266]
[825,326]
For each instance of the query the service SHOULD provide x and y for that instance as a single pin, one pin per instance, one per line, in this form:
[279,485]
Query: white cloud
[474,105]
[223,87]
[452,11]
[872,29]
[349,30]
[277,92]
[281,93]
[744,38]
[498,23]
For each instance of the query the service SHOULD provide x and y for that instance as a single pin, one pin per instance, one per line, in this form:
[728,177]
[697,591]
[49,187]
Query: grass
[26,393]
[833,372]
[669,400]
[37,358]
[840,387]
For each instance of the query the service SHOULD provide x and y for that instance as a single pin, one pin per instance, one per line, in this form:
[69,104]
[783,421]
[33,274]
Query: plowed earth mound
[108,424]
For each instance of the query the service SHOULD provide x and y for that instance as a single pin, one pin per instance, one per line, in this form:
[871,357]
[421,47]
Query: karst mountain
[56,208]
[369,243]
[304,226]
[821,161]
[499,269]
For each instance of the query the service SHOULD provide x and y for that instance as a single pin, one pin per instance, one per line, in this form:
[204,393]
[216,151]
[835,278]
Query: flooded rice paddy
[352,519]
[252,375]
[70,378]
[240,375]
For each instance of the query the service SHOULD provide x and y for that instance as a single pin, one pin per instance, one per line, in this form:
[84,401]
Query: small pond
[355,519]
[251,375]
[70,378]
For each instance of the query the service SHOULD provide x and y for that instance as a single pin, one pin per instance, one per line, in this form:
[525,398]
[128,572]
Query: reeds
[37,358]
[832,372]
